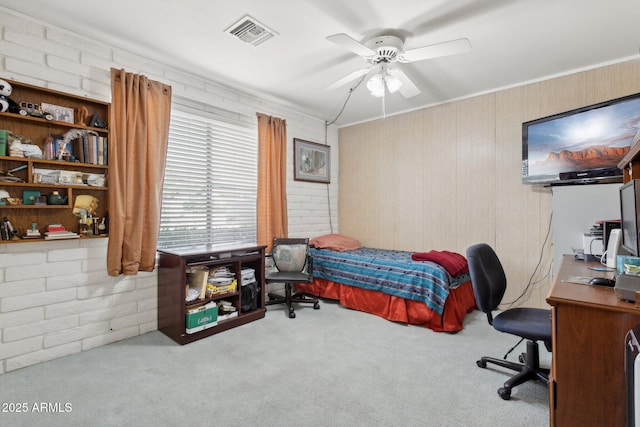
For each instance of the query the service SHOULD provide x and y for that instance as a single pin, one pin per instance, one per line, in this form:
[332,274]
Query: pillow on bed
[335,242]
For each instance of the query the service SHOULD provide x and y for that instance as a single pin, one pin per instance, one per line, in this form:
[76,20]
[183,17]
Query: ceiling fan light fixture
[393,83]
[376,86]
[384,80]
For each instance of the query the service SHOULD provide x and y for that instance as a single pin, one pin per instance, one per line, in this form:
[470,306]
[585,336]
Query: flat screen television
[629,209]
[582,145]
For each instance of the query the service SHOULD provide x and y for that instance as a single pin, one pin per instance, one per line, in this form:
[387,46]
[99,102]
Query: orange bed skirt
[459,302]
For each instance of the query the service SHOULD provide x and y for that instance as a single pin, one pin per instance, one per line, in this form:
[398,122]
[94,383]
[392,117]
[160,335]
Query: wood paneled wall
[448,176]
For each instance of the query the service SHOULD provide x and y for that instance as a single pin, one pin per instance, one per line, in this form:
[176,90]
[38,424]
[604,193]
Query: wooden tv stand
[587,384]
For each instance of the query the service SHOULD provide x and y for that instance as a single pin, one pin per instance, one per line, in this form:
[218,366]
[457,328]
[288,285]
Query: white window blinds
[210,183]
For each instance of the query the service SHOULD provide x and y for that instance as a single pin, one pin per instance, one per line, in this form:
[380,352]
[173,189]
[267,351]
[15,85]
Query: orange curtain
[139,121]
[272,179]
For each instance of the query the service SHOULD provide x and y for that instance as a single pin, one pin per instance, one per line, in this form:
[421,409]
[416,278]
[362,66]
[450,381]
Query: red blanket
[453,262]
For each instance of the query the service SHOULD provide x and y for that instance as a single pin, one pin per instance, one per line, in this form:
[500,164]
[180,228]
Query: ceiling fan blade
[408,89]
[452,47]
[350,44]
[348,78]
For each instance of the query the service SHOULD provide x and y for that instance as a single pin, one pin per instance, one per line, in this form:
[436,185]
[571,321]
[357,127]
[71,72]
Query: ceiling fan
[383,52]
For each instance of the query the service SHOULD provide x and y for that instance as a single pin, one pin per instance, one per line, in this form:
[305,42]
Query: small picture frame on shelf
[60,114]
[62,151]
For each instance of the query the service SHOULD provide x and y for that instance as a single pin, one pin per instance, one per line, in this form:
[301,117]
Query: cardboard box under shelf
[201,318]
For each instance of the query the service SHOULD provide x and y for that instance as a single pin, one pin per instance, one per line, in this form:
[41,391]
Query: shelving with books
[67,173]
[186,271]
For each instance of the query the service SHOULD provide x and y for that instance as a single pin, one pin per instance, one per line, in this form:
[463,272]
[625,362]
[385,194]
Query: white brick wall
[56,298]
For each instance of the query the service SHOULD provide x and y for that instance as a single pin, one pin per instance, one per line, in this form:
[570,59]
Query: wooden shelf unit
[172,284]
[37,130]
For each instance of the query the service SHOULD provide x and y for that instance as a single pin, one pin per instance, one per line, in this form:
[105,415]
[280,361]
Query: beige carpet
[327,367]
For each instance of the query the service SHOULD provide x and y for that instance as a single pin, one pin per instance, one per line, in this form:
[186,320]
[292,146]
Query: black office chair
[533,324]
[294,264]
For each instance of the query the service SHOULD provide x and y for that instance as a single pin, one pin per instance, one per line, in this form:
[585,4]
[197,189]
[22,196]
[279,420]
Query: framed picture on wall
[311,161]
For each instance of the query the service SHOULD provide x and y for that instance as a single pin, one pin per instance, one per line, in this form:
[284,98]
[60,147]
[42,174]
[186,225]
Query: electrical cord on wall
[326,127]
[535,270]
[351,89]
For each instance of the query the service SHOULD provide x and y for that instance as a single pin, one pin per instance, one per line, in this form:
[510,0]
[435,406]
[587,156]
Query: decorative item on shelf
[86,225]
[33,110]
[48,148]
[30,196]
[94,179]
[9,177]
[21,146]
[73,134]
[61,150]
[82,113]
[85,208]
[7,232]
[13,201]
[102,227]
[4,194]
[33,232]
[85,204]
[97,122]
[15,148]
[58,113]
[6,103]
[32,151]
[56,199]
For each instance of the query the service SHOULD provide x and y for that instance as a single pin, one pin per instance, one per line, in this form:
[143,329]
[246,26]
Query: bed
[390,284]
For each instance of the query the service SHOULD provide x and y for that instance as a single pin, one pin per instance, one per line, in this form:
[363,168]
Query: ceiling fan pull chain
[384,109]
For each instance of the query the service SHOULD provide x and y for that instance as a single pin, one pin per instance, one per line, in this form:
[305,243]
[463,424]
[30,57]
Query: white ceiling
[513,42]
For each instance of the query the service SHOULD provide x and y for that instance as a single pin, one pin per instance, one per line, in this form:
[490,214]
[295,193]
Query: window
[210,183]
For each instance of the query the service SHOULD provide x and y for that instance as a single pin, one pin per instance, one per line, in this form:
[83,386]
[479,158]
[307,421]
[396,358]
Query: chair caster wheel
[481,364]
[292,315]
[316,306]
[504,393]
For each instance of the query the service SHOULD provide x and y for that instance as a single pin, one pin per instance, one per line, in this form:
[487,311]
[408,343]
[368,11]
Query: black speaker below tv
[590,174]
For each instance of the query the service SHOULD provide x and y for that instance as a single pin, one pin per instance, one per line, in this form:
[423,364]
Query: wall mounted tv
[580,146]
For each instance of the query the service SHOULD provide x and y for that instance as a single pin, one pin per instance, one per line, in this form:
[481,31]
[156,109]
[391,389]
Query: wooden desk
[587,384]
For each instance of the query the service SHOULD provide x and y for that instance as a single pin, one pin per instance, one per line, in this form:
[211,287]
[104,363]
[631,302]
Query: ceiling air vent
[251,31]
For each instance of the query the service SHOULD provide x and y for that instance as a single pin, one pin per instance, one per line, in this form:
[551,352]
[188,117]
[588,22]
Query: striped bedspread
[388,271]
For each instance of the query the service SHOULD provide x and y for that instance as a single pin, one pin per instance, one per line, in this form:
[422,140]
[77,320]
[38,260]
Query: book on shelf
[5,136]
[198,280]
[105,149]
[61,235]
[32,234]
[79,147]
[100,151]
[52,228]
